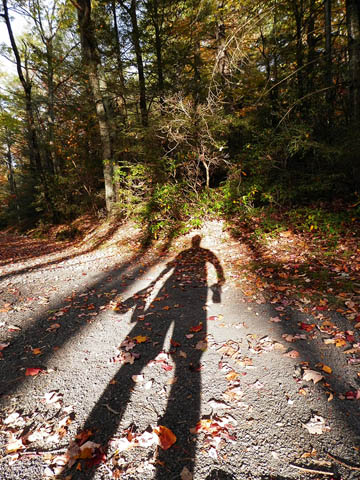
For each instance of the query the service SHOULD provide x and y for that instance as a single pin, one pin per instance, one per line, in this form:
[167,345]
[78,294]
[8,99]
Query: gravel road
[121,362]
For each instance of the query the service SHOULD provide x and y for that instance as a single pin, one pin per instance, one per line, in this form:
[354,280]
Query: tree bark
[311,43]
[135,35]
[119,59]
[353,28]
[91,60]
[330,93]
[157,21]
[299,17]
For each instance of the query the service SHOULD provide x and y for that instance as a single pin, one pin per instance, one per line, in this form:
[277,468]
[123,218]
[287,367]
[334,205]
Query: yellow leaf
[340,342]
[232,376]
[140,339]
[327,369]
[36,351]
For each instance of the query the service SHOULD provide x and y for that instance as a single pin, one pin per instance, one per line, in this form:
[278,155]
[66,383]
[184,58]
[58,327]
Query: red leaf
[166,367]
[307,326]
[196,328]
[31,372]
[174,344]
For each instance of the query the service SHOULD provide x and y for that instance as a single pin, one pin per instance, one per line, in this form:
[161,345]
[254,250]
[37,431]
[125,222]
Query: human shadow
[179,304]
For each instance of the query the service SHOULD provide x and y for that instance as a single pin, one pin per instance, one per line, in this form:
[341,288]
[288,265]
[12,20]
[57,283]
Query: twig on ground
[39,453]
[115,412]
[311,470]
[351,467]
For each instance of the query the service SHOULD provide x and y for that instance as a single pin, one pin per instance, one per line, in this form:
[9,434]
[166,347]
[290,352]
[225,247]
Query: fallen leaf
[218,405]
[316,425]
[197,328]
[13,417]
[14,445]
[36,351]
[312,375]
[53,327]
[148,385]
[325,368]
[31,372]
[147,439]
[292,354]
[166,367]
[141,338]
[52,397]
[308,327]
[166,437]
[137,378]
[232,376]
[352,395]
[275,319]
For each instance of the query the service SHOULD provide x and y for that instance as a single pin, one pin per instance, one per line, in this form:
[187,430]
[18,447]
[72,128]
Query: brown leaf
[292,354]
[166,437]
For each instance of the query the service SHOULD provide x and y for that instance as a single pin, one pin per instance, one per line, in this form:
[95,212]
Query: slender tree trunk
[299,16]
[330,93]
[197,76]
[11,179]
[119,59]
[91,61]
[139,62]
[311,43]
[51,102]
[353,28]
[158,48]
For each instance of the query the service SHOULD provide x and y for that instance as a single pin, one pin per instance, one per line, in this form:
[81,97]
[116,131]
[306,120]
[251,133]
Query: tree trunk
[299,16]
[11,179]
[91,62]
[311,43]
[51,102]
[158,48]
[353,28]
[139,62]
[119,61]
[330,93]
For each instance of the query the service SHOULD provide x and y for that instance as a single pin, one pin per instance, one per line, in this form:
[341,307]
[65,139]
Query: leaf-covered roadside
[297,258]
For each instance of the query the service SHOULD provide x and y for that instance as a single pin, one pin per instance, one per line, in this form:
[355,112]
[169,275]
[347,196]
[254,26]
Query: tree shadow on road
[178,305]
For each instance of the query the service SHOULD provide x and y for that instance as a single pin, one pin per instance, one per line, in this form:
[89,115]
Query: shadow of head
[220,475]
[195,241]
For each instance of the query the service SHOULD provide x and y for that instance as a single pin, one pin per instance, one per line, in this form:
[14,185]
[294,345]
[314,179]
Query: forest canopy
[168,111]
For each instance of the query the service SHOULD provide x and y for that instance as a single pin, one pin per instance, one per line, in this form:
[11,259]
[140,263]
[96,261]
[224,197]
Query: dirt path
[122,362]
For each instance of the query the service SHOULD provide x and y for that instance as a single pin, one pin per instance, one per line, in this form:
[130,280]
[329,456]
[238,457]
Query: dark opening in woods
[172,111]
